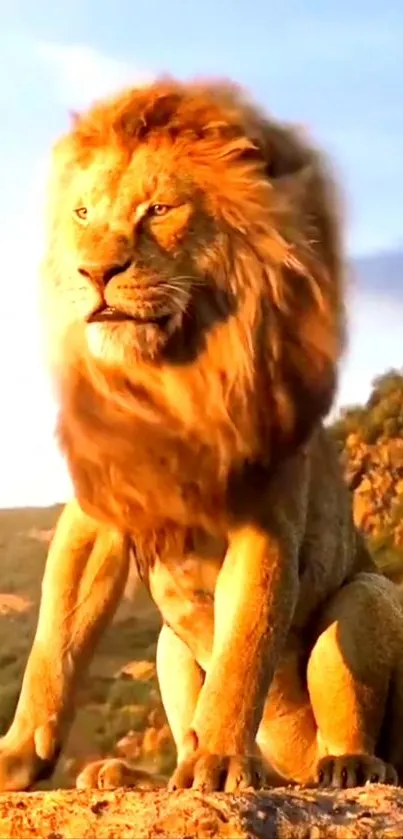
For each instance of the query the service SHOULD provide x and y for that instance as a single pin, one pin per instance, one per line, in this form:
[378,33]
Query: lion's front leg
[254,603]
[180,680]
[85,575]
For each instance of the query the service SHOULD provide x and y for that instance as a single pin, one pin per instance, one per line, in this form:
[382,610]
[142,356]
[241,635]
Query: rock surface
[292,813]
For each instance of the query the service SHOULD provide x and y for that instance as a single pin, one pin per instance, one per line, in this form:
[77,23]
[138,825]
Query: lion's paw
[356,770]
[112,773]
[22,763]
[211,772]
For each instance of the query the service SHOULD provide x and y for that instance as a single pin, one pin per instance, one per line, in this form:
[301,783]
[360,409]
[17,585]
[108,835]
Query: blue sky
[333,65]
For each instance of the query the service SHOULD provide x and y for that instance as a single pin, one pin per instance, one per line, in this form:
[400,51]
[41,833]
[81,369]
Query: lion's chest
[141,486]
[183,590]
[138,459]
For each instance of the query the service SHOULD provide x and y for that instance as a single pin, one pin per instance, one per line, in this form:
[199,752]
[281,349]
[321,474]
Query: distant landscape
[370,438]
[381,273]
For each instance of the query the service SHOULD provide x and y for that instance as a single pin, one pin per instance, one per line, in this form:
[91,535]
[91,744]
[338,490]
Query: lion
[194,307]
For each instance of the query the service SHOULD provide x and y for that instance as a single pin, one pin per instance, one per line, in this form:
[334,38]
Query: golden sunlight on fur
[193,294]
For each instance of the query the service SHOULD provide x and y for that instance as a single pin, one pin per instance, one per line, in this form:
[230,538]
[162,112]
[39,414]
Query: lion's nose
[101,273]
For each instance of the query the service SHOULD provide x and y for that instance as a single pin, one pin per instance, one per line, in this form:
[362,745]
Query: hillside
[371,444]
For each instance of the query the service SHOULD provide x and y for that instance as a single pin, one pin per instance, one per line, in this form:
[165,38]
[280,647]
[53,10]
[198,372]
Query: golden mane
[172,433]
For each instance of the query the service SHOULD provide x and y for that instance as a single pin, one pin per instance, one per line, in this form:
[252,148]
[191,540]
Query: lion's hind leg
[350,678]
[287,735]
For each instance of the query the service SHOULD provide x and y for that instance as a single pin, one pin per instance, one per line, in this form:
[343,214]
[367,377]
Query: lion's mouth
[112,315]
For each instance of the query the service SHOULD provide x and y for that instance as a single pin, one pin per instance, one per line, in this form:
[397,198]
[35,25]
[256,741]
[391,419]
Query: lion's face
[139,247]
[144,244]
[185,225]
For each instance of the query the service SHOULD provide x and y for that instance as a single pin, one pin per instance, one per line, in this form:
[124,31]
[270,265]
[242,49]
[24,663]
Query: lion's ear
[307,286]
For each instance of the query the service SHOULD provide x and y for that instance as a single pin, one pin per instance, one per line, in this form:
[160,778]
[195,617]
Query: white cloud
[82,73]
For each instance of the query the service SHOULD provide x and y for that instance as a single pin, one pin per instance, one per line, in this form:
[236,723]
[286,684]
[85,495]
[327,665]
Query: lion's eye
[158,209]
[81,213]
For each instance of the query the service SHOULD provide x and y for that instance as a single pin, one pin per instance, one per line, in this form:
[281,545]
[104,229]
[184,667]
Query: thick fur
[193,433]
